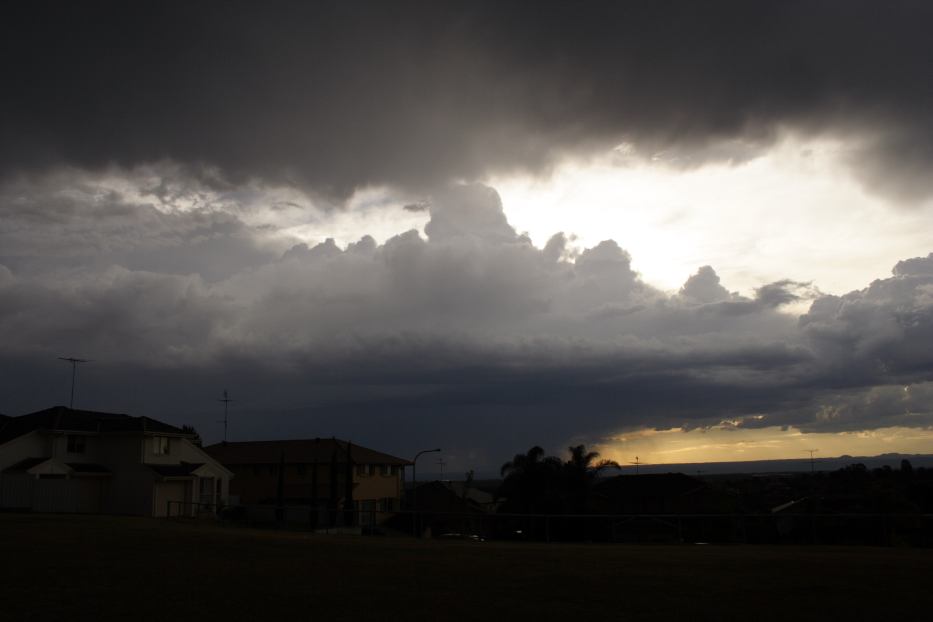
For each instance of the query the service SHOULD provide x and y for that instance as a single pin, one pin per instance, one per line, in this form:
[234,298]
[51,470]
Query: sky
[684,231]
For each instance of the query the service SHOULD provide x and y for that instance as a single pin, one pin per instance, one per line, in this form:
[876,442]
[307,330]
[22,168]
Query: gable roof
[64,419]
[298,451]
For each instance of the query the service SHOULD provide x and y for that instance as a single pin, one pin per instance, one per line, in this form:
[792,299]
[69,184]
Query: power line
[74,372]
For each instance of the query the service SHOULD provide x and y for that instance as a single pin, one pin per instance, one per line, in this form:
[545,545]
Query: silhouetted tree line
[535,483]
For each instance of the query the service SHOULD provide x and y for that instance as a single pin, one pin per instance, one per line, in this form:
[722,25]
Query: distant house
[314,472]
[446,508]
[65,460]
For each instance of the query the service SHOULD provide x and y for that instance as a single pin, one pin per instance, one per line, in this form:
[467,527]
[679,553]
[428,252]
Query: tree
[580,472]
[531,482]
[189,429]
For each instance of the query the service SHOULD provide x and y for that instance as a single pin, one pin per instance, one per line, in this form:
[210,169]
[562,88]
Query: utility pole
[442,464]
[74,372]
[636,463]
[226,400]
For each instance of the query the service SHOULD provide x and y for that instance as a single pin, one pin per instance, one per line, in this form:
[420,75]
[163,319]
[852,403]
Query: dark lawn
[105,568]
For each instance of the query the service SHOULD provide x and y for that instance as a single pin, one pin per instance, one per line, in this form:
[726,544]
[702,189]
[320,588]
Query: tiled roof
[299,451]
[63,419]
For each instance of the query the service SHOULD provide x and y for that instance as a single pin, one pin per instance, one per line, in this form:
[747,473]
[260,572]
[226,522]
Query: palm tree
[580,472]
[531,481]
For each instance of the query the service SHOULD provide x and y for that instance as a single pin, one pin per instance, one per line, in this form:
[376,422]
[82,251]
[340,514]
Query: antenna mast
[811,452]
[226,400]
[74,372]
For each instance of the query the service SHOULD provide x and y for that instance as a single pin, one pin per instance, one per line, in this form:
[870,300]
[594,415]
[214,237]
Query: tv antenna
[636,463]
[441,464]
[74,372]
[226,400]
[811,452]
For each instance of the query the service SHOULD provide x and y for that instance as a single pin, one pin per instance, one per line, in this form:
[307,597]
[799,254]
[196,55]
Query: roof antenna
[637,463]
[74,370]
[226,400]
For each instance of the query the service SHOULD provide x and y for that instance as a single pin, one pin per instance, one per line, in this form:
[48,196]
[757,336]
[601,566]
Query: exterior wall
[32,445]
[178,492]
[180,450]
[377,486]
[258,483]
[74,495]
[94,448]
[130,492]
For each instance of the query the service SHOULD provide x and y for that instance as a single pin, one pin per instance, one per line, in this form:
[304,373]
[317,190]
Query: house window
[364,469]
[161,446]
[388,504]
[302,470]
[76,444]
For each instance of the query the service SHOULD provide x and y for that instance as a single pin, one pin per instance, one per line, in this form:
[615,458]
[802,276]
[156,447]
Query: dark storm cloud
[470,337]
[342,94]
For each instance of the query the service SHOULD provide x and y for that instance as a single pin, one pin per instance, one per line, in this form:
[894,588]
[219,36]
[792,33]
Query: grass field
[103,568]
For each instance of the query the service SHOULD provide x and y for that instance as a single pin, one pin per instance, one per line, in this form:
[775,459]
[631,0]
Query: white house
[64,460]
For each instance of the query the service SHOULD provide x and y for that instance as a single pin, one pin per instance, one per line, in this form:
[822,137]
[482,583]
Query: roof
[24,465]
[176,470]
[298,451]
[64,419]
[78,467]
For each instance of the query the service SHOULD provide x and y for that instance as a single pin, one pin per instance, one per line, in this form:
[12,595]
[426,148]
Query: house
[66,460]
[445,508]
[313,472]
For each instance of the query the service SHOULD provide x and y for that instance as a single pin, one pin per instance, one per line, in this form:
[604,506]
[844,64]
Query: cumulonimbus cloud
[467,332]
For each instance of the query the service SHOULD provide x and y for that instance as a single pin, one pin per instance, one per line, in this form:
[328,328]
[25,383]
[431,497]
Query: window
[302,470]
[386,469]
[256,470]
[76,444]
[160,445]
[388,504]
[364,469]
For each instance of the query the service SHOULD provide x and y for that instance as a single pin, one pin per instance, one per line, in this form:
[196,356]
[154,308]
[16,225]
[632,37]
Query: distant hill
[749,467]
[794,465]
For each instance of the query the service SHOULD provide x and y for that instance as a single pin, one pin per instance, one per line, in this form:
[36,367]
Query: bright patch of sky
[726,443]
[795,212]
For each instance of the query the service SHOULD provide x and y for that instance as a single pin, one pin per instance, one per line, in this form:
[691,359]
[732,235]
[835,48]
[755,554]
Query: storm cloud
[467,335]
[337,96]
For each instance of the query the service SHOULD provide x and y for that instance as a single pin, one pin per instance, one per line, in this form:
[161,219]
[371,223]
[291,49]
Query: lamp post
[414,487]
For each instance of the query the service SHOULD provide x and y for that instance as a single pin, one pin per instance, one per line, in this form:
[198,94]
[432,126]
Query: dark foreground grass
[102,568]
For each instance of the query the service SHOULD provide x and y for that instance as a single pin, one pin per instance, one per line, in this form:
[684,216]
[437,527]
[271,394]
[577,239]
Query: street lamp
[414,476]
[414,486]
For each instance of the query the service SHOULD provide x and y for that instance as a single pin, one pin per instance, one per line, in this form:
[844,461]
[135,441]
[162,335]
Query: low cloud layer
[337,96]
[466,335]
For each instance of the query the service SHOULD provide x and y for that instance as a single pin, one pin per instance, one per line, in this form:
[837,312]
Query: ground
[104,568]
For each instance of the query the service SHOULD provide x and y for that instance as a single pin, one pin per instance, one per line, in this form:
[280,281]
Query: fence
[780,528]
